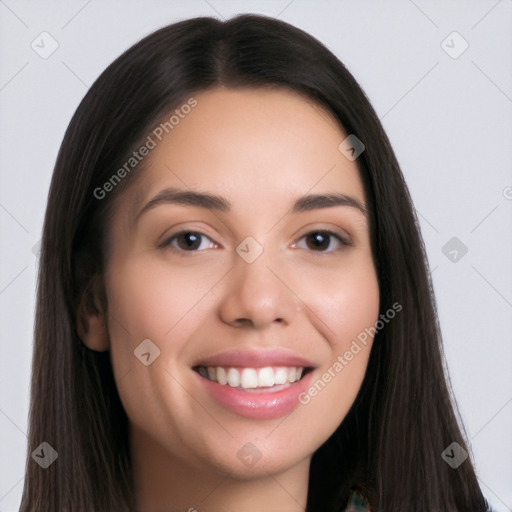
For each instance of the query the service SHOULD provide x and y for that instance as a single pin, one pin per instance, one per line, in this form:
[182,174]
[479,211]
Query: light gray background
[449,120]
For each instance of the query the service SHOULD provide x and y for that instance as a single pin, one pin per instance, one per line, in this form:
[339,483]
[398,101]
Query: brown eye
[188,241]
[323,241]
[318,240]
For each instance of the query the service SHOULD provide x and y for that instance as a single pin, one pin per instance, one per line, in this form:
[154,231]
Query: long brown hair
[403,418]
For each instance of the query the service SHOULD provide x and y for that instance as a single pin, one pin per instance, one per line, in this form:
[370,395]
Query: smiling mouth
[268,378]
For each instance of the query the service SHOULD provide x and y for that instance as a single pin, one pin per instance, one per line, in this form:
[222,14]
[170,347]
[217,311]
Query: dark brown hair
[390,442]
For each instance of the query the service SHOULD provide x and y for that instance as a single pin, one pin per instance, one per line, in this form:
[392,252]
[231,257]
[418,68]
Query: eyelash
[166,244]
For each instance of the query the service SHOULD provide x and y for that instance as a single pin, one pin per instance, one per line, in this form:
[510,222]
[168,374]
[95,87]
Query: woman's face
[243,269]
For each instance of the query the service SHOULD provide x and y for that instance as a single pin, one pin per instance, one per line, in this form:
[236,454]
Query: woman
[234,307]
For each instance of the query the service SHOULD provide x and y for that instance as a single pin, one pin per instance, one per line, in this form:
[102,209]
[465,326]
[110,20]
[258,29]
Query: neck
[164,483]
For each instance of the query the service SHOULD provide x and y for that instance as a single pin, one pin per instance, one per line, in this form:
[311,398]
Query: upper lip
[255,358]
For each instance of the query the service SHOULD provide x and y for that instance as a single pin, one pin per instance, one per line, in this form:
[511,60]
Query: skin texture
[261,150]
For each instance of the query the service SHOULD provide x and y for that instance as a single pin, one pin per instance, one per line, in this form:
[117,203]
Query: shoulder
[357,502]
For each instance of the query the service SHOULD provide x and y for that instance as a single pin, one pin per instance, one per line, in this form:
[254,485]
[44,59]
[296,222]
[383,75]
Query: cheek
[347,309]
[146,303]
[346,301]
[149,299]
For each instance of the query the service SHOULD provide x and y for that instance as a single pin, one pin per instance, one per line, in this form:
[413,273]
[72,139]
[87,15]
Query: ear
[91,317]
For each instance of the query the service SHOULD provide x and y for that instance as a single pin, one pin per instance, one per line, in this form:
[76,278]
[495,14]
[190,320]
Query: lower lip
[260,404]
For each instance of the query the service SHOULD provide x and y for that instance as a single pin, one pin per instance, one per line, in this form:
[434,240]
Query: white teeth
[280,376]
[222,378]
[266,377]
[233,377]
[249,378]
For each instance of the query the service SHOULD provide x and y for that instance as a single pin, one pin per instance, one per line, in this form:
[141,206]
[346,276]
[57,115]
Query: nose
[258,295]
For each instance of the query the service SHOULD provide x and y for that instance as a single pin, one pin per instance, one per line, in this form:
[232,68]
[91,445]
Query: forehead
[252,145]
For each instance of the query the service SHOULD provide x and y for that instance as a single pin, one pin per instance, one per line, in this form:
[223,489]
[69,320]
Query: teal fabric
[357,503]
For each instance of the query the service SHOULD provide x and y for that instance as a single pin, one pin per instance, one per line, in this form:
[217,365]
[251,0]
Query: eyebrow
[220,204]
